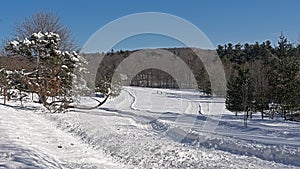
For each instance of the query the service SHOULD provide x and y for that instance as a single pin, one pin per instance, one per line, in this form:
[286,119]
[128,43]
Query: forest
[263,78]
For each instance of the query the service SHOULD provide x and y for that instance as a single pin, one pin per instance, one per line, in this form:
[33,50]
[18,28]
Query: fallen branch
[64,105]
[100,103]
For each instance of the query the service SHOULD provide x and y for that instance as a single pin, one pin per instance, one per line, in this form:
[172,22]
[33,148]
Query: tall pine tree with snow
[58,74]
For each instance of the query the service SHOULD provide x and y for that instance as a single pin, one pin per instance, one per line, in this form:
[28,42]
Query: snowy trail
[29,140]
[222,138]
[129,133]
[191,107]
[158,104]
[141,147]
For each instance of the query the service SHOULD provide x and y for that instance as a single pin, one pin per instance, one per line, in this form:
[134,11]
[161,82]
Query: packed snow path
[131,131]
[134,131]
[273,140]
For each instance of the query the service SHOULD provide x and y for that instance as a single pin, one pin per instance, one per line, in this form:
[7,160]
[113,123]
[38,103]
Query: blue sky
[222,21]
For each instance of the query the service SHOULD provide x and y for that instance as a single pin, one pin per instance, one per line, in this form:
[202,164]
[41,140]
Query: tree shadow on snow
[30,108]
[12,156]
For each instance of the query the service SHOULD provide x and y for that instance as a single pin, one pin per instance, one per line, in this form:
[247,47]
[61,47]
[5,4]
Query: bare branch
[46,22]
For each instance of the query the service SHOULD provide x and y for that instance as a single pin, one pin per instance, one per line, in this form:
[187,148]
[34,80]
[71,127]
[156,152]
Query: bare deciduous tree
[3,43]
[46,22]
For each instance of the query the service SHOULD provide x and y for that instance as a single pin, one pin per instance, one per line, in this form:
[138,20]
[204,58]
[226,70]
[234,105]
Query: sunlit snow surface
[139,129]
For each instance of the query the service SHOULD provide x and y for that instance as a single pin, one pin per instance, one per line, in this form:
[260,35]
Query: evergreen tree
[233,98]
[283,76]
[203,81]
[240,92]
[58,74]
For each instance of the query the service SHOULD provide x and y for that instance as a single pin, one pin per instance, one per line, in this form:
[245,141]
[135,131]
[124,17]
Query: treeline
[263,78]
[154,77]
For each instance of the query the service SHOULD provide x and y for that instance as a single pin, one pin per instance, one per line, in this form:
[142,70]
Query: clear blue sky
[222,21]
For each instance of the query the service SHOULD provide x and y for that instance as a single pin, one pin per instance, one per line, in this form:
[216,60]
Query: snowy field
[145,128]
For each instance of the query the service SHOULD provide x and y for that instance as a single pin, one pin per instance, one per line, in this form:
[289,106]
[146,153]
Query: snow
[26,42]
[58,52]
[145,128]
[38,35]
[64,67]
[28,140]
[73,58]
[14,43]
[9,72]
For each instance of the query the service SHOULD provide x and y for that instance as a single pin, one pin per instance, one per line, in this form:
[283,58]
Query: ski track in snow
[138,133]
[130,132]
[238,143]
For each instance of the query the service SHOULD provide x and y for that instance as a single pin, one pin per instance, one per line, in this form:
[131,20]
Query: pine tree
[203,81]
[233,98]
[58,74]
[240,92]
[283,77]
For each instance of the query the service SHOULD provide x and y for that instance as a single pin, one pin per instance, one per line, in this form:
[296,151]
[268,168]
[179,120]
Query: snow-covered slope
[146,128]
[28,140]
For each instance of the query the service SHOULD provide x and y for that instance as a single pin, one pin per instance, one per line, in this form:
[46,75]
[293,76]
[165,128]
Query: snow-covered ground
[28,140]
[145,128]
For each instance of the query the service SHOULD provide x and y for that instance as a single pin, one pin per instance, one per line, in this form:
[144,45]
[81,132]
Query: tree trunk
[5,95]
[245,119]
